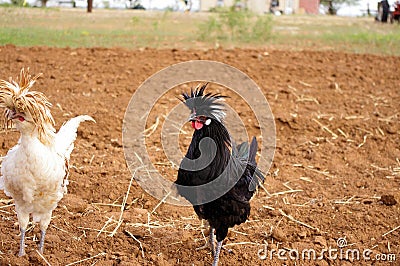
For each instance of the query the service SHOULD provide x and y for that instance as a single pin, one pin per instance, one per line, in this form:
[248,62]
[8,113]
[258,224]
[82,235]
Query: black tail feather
[257,176]
[253,150]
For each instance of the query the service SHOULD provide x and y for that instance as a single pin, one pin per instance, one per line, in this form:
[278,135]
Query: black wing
[243,163]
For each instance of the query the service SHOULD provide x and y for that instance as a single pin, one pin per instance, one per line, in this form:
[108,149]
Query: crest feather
[207,104]
[15,96]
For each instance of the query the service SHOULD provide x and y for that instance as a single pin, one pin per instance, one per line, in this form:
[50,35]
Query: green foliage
[218,9]
[211,29]
[6,5]
[19,3]
[234,25]
[153,30]
[135,21]
[262,30]
[373,39]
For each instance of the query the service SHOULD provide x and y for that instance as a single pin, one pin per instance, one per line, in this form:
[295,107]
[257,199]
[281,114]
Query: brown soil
[338,135]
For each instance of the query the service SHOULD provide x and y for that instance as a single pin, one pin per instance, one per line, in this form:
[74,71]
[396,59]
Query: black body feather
[233,207]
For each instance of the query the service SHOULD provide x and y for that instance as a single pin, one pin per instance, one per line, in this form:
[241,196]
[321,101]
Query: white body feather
[1,183]
[34,174]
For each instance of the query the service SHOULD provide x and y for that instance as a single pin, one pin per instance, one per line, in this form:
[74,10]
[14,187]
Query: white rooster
[35,171]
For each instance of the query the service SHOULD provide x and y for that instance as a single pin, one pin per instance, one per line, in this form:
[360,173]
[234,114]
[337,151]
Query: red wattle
[197,125]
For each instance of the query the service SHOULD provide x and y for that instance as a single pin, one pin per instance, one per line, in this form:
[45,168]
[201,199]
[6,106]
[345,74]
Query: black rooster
[216,176]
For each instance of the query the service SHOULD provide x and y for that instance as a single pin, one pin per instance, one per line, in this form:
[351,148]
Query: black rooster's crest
[200,104]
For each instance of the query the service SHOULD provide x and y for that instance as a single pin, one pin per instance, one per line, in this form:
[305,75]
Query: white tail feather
[64,141]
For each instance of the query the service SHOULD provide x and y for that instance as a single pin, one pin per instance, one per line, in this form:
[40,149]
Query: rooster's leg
[216,256]
[22,243]
[212,239]
[41,243]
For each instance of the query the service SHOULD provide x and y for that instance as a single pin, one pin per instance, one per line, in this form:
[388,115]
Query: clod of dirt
[75,203]
[302,234]
[367,201]
[390,129]
[116,143]
[388,200]
[22,58]
[278,235]
[360,184]
[320,240]
[322,263]
[99,145]
[309,154]
[140,211]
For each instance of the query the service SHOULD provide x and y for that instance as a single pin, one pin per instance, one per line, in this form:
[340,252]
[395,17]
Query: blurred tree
[333,5]
[89,6]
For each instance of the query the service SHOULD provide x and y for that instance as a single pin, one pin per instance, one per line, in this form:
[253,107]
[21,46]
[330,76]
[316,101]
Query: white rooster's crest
[16,98]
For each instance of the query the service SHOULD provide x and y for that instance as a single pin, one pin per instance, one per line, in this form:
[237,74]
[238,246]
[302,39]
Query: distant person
[188,5]
[383,11]
[274,7]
